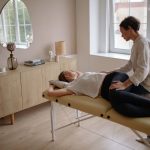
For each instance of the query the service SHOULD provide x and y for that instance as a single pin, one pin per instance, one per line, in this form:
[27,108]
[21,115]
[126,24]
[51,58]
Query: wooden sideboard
[22,88]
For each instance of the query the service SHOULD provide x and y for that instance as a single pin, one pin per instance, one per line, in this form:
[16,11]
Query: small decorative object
[11,61]
[60,49]
[51,56]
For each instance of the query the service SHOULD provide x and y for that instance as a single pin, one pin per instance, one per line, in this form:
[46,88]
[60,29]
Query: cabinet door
[50,72]
[10,94]
[31,87]
[69,63]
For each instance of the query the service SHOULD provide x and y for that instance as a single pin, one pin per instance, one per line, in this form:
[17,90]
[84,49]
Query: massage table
[101,108]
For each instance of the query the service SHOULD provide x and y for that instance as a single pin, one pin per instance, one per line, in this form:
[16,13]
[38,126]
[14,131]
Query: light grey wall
[52,20]
[87,62]
[83,35]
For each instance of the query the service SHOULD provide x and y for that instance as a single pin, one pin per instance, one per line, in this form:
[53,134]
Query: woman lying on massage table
[88,83]
[95,84]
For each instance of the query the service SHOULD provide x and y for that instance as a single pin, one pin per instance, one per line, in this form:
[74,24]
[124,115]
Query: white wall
[87,62]
[83,40]
[52,20]
[58,20]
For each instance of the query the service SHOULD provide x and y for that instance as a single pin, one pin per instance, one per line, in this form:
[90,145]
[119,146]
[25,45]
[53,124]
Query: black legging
[128,102]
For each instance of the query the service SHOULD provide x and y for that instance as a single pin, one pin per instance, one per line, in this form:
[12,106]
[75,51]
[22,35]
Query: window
[122,9]
[15,25]
[105,17]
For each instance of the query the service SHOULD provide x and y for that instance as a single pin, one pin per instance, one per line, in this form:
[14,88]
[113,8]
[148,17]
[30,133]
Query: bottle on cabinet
[11,61]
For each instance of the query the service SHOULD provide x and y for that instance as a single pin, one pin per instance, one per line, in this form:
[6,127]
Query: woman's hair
[62,77]
[132,22]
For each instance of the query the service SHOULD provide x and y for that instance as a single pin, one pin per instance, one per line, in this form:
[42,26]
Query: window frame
[18,42]
[112,48]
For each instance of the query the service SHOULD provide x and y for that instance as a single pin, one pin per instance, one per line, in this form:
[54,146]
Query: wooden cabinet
[10,94]
[35,81]
[50,72]
[23,87]
[31,81]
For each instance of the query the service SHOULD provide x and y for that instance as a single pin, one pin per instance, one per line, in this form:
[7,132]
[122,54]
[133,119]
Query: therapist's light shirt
[139,62]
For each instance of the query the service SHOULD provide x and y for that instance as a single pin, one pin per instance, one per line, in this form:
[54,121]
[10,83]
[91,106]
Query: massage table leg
[141,139]
[52,120]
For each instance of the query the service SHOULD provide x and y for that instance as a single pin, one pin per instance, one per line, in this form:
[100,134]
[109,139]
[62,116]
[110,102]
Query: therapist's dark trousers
[130,102]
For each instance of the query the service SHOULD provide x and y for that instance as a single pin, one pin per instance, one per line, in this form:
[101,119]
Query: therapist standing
[125,93]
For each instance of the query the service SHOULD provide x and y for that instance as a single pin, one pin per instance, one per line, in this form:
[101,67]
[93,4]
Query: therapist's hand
[117,85]
[120,85]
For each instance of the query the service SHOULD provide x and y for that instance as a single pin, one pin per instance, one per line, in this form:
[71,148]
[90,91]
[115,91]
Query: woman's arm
[58,92]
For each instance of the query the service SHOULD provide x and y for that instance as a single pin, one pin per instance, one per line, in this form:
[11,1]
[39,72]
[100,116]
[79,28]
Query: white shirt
[88,84]
[140,63]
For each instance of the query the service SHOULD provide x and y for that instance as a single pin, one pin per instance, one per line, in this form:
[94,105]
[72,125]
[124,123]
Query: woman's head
[129,26]
[130,22]
[68,76]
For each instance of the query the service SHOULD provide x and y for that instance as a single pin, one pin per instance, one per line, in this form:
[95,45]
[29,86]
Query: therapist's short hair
[132,22]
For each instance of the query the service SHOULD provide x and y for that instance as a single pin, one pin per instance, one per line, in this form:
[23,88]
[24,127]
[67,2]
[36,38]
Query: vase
[12,62]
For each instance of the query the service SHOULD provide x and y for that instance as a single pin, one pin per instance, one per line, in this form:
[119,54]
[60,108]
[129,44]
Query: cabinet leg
[12,119]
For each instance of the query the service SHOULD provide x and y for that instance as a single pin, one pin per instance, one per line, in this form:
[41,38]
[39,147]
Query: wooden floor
[31,131]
